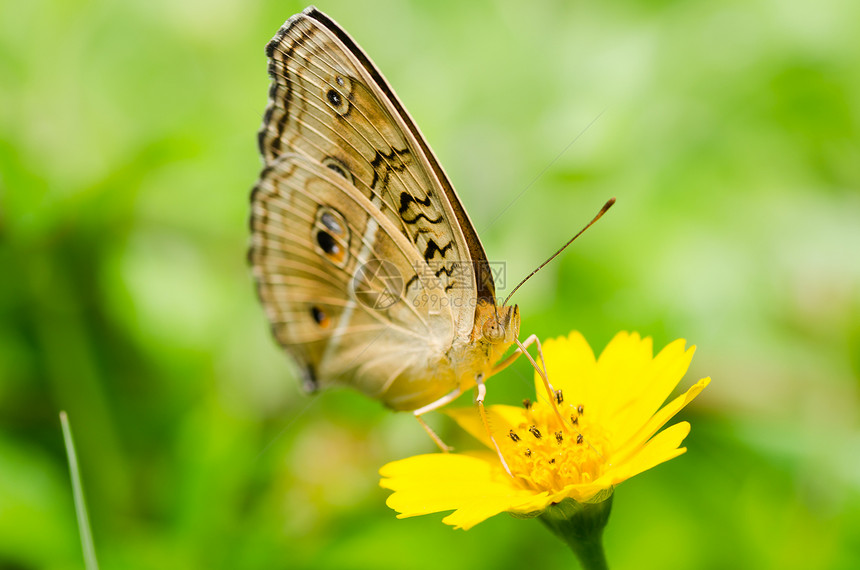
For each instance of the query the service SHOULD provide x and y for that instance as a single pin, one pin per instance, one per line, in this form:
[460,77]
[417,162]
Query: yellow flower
[599,433]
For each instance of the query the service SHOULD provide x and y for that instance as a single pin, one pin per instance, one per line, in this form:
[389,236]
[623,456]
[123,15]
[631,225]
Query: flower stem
[581,526]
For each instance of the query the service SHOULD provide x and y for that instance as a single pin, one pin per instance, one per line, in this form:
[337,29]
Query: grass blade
[77,489]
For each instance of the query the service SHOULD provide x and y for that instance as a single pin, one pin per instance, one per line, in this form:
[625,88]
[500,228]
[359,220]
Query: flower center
[545,453]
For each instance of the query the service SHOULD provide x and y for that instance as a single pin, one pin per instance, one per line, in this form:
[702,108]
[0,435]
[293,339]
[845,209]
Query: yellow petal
[608,383]
[622,361]
[659,419]
[662,447]
[480,508]
[475,486]
[638,396]
[570,364]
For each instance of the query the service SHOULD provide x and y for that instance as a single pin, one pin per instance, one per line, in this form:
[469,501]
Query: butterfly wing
[329,273]
[329,103]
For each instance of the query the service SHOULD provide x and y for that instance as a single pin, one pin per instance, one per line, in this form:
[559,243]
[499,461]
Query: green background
[729,131]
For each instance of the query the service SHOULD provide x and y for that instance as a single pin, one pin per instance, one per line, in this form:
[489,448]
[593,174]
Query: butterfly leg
[481,393]
[442,445]
[522,349]
[555,397]
[446,399]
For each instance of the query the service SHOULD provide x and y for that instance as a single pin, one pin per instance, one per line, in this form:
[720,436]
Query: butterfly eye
[493,331]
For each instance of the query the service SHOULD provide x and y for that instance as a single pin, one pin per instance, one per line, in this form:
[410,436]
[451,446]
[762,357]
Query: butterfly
[369,270]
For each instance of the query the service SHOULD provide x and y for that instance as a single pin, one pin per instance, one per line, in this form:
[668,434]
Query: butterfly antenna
[602,211]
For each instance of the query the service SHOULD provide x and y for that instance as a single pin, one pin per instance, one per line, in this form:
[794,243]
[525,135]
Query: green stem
[581,526]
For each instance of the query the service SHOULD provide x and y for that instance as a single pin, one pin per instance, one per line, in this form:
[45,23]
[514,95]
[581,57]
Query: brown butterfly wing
[330,103]
[328,271]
